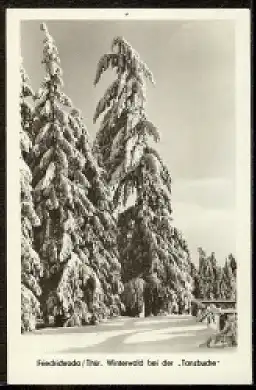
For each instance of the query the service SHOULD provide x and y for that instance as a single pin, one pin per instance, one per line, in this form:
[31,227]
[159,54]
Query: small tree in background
[31,268]
[216,282]
[206,275]
[195,280]
[232,263]
[228,280]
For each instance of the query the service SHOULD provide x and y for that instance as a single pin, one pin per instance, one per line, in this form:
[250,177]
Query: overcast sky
[192,104]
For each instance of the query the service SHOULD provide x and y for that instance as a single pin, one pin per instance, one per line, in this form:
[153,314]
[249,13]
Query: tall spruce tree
[149,248]
[68,192]
[31,268]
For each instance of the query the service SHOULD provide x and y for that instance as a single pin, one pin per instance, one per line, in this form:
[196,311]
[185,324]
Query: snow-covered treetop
[128,90]
[125,129]
[124,59]
[201,252]
[51,58]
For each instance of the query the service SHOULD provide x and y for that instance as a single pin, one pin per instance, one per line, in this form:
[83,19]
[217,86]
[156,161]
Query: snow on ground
[165,334]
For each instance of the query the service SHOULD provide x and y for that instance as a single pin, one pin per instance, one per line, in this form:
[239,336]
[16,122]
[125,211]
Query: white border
[234,368]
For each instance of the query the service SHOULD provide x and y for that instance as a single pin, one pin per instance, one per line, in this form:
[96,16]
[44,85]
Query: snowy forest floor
[161,334]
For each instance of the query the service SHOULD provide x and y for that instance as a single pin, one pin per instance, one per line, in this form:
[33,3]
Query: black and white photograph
[129,196]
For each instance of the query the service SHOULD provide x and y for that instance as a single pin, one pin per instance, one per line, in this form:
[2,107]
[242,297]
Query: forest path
[161,334]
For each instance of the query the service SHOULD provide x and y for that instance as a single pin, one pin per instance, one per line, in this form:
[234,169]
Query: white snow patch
[151,336]
[155,321]
[120,323]
[183,329]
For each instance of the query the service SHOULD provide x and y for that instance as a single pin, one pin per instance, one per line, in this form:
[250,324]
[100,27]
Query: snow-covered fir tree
[149,246]
[214,281]
[228,279]
[205,274]
[217,282]
[232,263]
[195,280]
[209,275]
[99,230]
[31,268]
[66,180]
